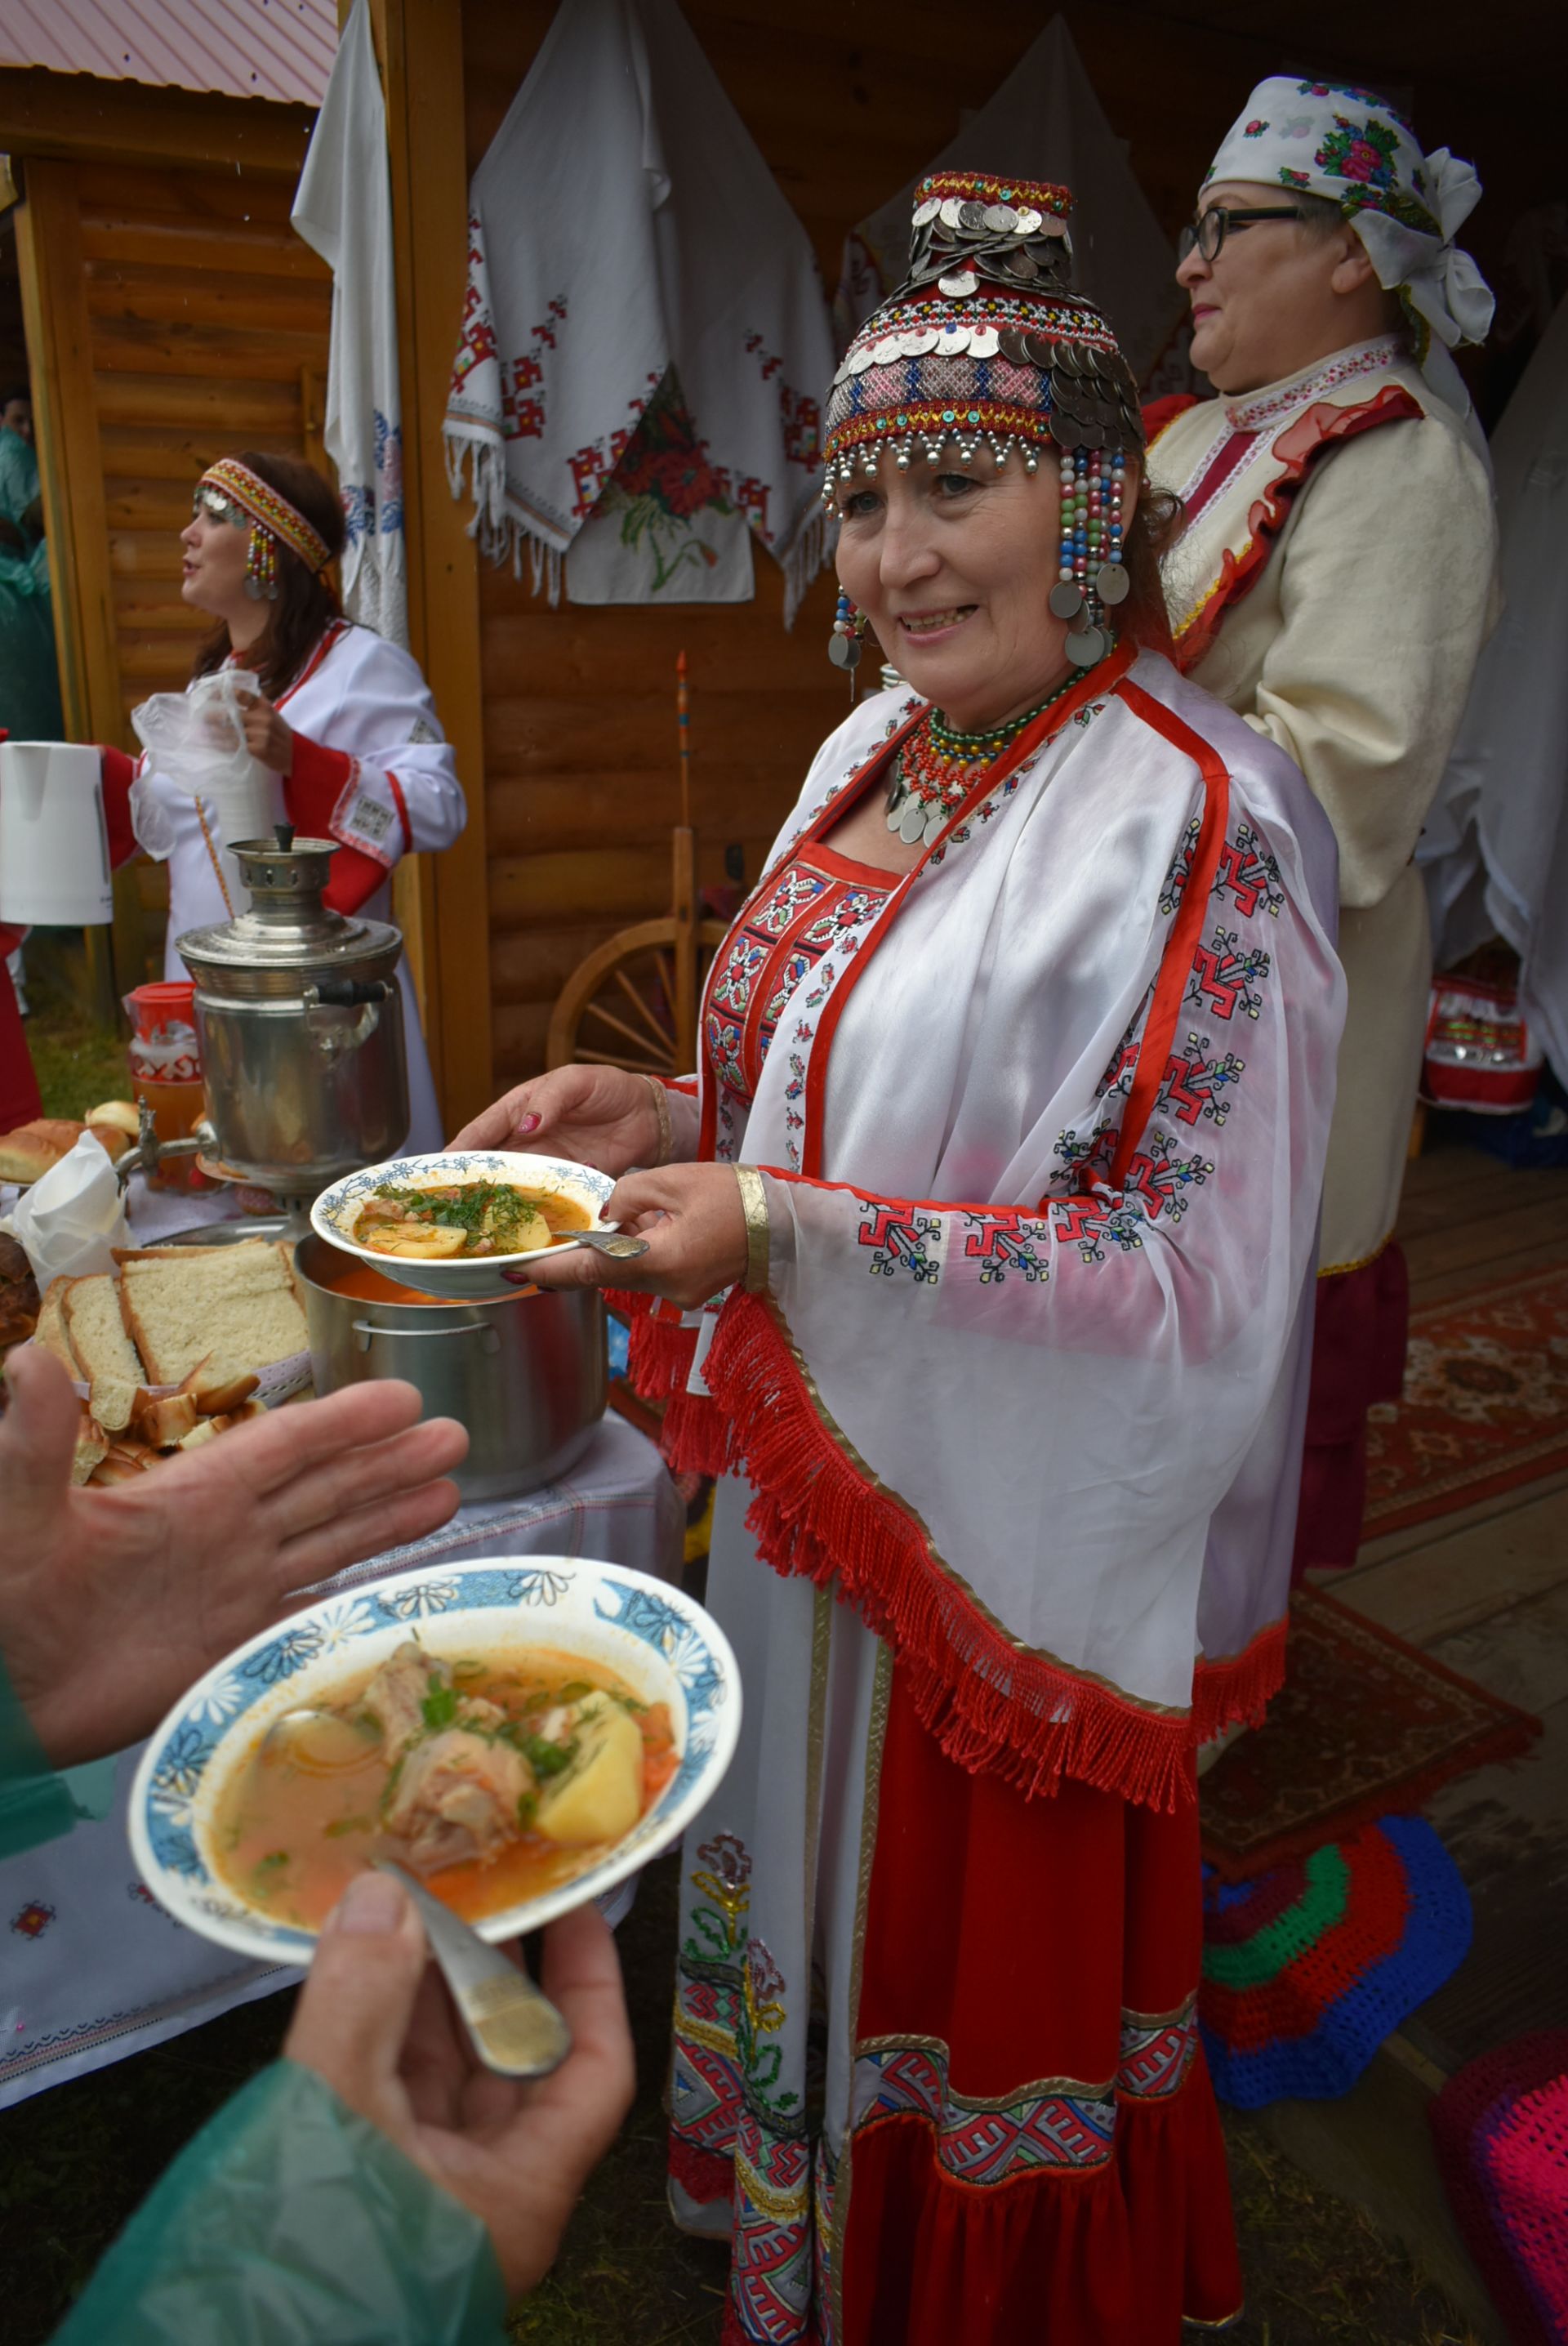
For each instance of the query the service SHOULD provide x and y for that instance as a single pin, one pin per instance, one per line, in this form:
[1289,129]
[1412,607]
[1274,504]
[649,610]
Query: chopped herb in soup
[470,1219]
[494,1780]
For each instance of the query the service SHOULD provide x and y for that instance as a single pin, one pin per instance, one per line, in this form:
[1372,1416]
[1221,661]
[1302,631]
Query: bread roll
[124,1115]
[165,1422]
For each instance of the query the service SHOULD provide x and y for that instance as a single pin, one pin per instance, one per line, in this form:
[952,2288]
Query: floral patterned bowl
[472,1279]
[665,1646]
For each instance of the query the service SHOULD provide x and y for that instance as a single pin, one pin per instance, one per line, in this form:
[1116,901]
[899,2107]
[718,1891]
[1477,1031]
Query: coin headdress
[986,345]
[231,492]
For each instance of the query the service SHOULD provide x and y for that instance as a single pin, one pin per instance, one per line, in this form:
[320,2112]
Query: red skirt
[1035,2152]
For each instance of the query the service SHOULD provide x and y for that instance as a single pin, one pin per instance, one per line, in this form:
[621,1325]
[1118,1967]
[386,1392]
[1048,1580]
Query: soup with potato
[471,1217]
[494,1780]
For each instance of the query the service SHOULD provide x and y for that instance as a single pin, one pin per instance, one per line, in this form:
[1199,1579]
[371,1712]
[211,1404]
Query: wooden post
[447,910]
[684,877]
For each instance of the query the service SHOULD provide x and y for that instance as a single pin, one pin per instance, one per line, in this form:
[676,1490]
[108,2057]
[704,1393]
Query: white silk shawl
[1030,1377]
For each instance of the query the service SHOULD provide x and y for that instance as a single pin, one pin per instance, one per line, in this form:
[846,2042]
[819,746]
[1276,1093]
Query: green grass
[75,2161]
[77,1063]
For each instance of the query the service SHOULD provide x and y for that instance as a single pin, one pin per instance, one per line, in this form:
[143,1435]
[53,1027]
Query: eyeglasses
[1217,223]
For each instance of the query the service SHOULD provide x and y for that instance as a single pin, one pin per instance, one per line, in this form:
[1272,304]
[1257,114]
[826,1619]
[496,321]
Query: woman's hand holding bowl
[695,1225]
[601,1117]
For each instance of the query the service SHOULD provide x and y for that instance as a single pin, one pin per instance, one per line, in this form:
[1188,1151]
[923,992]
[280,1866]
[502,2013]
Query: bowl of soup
[521,1732]
[451,1224]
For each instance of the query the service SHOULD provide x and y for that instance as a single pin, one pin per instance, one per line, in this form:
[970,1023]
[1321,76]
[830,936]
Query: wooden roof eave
[77,117]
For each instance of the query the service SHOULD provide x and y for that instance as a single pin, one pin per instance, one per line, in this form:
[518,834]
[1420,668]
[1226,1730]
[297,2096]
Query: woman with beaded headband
[977,1257]
[343,719]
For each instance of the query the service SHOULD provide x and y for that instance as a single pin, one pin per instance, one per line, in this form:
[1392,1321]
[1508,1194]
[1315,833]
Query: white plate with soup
[449,1224]
[523,1732]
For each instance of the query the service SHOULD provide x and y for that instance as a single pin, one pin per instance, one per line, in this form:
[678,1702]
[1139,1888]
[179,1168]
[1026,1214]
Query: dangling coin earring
[261,564]
[1091,576]
[844,643]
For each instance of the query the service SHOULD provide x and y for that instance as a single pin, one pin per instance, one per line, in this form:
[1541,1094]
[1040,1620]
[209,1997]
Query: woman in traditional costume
[992,1212]
[345,721]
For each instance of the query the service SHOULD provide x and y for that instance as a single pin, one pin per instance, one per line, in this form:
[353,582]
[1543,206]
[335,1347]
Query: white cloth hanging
[624,224]
[1045,123]
[342,209]
[1496,850]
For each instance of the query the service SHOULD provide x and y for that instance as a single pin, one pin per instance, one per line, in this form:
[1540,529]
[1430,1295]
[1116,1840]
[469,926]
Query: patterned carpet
[1364,1724]
[1484,1408]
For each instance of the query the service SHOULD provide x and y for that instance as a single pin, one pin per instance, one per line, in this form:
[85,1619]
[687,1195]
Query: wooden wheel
[623,1006]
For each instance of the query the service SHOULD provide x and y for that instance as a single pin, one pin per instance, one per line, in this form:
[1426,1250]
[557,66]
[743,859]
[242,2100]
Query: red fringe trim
[1310,436]
[991,1708]
[1239,1688]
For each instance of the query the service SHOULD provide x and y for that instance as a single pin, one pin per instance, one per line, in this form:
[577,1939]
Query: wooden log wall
[846,103]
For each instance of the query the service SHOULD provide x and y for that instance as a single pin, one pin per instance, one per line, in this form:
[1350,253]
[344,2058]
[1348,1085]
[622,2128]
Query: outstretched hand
[376,2021]
[112,1602]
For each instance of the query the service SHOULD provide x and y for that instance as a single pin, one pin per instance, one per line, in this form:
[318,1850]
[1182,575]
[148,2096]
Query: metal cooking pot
[300,1020]
[526,1375]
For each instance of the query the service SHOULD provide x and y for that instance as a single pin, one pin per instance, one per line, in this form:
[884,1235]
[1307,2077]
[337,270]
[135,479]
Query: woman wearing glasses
[1333,584]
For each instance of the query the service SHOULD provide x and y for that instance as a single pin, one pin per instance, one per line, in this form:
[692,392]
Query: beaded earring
[261,565]
[844,643]
[1092,574]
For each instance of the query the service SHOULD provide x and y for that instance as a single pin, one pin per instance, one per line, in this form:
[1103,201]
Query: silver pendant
[935,823]
[912,823]
[1087,646]
[1112,582]
[1066,598]
[844,651]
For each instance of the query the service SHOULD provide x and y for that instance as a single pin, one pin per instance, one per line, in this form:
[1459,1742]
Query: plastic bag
[195,739]
[288,2221]
[67,1221]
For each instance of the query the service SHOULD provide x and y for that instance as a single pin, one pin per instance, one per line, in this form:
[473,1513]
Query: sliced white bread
[183,1304]
[108,1356]
[50,1331]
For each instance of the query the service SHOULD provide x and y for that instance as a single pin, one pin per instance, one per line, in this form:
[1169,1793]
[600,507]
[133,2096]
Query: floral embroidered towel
[627,239]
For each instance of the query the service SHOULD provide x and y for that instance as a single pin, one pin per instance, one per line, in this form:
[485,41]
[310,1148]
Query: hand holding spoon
[513,2026]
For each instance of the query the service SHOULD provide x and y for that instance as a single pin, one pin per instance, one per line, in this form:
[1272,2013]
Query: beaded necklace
[937,768]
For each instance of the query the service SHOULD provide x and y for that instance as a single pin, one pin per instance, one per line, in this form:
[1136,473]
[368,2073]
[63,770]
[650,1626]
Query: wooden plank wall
[209,322]
[178,318]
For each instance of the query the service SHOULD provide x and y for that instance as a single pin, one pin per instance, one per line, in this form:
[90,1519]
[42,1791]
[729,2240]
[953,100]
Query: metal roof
[243,48]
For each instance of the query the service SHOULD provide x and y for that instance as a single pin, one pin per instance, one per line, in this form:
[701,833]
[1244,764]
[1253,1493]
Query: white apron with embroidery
[367,698]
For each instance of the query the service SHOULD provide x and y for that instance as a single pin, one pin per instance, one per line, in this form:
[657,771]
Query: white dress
[372,770]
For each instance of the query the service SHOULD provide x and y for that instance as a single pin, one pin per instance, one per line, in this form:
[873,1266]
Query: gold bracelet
[754,1204]
[661,1109]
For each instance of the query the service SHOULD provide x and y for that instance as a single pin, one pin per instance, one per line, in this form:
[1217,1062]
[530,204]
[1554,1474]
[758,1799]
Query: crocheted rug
[1499,2129]
[1363,1724]
[1484,1407]
[1308,1967]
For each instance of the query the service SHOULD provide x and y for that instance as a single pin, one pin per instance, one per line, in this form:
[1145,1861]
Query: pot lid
[286,926]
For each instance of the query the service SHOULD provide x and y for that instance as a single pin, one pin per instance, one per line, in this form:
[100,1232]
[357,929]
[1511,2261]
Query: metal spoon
[514,2028]
[619,1245]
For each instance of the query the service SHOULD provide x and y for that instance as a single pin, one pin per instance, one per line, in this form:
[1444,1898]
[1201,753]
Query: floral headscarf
[1330,139]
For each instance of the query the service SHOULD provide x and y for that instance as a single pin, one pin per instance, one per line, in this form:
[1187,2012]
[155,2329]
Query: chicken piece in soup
[494,1778]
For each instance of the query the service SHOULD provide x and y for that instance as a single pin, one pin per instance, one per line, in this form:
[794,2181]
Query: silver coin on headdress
[960,285]
[948,214]
[918,342]
[925,213]
[1029,220]
[1087,645]
[887,349]
[972,217]
[1001,219]
[983,341]
[1014,344]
